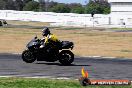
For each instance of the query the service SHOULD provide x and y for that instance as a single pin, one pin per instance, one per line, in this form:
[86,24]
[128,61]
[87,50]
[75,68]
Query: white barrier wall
[67,19]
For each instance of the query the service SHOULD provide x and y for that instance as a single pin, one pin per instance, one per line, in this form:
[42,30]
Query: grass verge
[46,83]
[121,28]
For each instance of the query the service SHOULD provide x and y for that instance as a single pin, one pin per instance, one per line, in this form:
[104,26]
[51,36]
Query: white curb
[36,77]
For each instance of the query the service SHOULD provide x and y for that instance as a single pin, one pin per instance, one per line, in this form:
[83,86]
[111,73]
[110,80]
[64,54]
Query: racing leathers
[50,38]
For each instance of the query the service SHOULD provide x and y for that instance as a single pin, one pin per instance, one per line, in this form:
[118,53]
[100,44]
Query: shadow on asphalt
[79,61]
[58,64]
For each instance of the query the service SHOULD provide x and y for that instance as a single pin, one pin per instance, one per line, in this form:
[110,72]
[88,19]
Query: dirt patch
[27,23]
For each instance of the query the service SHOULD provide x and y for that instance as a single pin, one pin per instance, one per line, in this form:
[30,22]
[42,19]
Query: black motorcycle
[53,51]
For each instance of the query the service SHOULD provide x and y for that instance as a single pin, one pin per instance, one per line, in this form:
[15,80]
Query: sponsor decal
[85,80]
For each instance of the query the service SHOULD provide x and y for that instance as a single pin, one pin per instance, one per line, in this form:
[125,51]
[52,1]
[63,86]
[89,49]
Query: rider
[48,37]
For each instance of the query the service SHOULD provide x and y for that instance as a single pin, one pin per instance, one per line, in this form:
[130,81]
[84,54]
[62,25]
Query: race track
[98,68]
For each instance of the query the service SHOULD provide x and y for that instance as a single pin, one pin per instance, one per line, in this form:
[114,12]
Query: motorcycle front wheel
[66,57]
[28,57]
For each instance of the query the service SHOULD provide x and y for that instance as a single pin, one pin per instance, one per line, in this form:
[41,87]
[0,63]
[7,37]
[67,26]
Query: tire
[28,57]
[66,57]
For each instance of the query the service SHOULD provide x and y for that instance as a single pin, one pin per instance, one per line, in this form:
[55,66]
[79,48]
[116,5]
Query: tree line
[97,7]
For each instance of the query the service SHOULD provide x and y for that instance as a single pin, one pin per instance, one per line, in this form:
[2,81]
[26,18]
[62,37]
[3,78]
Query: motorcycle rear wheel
[66,57]
[28,57]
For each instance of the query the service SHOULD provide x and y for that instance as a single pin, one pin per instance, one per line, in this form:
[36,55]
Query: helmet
[45,31]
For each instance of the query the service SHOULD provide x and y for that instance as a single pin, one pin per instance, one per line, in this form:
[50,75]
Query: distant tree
[31,6]
[2,4]
[74,5]
[61,8]
[106,7]
[79,10]
[52,4]
[41,5]
[98,7]
[19,5]
[106,10]
[10,5]
[93,7]
[26,1]
[76,8]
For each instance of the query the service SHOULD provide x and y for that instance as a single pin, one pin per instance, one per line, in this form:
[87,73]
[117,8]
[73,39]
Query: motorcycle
[50,53]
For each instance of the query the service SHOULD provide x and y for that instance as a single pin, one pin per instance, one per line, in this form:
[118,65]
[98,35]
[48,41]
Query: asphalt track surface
[98,68]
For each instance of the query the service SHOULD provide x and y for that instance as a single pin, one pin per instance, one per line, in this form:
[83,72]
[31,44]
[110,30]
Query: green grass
[46,83]
[121,28]
[126,51]
[72,28]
